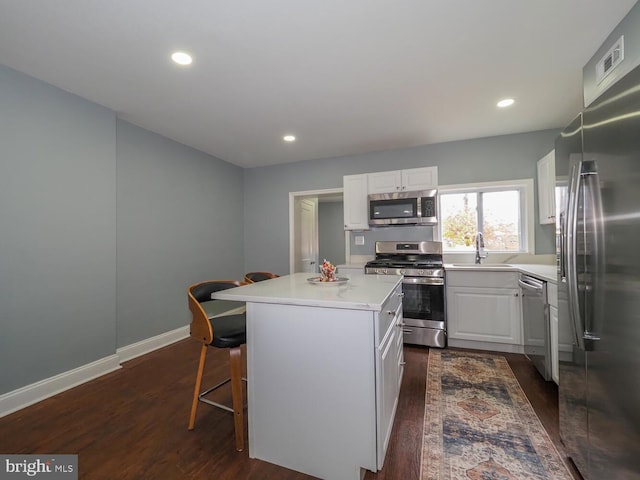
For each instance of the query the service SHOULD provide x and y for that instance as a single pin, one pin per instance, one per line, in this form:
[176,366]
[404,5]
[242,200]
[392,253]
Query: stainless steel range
[423,285]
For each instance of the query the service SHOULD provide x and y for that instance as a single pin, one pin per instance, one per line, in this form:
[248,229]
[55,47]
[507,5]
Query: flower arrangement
[327,272]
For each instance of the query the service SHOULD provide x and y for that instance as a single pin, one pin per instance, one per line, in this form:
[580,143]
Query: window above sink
[502,211]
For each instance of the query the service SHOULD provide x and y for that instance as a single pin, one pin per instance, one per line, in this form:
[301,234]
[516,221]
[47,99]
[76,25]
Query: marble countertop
[544,272]
[359,292]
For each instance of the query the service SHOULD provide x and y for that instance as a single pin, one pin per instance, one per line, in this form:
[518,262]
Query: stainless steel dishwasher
[535,323]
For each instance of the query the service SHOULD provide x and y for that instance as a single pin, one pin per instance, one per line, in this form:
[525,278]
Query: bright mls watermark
[58,467]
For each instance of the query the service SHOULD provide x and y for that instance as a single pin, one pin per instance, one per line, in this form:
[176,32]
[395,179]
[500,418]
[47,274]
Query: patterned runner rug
[479,424]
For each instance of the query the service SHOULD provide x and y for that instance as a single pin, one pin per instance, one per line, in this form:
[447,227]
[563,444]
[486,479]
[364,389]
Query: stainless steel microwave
[403,208]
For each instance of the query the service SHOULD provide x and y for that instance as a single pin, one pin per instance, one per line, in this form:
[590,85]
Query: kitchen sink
[483,265]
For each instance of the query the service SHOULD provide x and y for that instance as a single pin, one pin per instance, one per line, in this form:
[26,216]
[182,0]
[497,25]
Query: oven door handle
[423,281]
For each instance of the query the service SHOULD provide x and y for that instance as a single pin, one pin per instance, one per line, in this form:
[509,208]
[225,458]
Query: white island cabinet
[324,365]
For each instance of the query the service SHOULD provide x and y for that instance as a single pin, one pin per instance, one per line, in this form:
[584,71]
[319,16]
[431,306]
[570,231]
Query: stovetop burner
[431,263]
[407,258]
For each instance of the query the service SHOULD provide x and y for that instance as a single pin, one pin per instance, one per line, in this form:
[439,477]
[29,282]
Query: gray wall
[58,240]
[505,157]
[104,225]
[331,232]
[179,222]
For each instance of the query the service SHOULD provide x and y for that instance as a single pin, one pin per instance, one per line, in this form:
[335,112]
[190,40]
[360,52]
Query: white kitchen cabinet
[389,361]
[553,325]
[561,335]
[355,202]
[413,179]
[552,300]
[547,188]
[483,307]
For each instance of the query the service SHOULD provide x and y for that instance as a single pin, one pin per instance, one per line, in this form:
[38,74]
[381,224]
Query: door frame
[302,263]
[293,196]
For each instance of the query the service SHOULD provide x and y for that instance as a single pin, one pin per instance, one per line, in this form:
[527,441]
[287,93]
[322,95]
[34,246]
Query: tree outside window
[459,220]
[494,213]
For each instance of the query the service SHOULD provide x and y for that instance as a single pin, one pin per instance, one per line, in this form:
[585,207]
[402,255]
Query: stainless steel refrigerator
[598,239]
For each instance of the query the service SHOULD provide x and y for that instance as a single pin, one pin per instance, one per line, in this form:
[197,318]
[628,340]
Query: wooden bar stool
[253,277]
[221,324]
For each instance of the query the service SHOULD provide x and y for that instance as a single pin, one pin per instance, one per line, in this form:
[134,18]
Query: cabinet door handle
[403,363]
[516,294]
[391,312]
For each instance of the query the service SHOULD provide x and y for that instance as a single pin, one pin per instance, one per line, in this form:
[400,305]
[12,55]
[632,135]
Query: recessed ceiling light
[181,58]
[507,102]
[289,138]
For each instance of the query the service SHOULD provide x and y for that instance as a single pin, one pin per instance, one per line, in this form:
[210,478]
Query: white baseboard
[28,395]
[150,344]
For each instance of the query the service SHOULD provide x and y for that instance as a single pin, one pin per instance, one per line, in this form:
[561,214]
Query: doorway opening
[316,229]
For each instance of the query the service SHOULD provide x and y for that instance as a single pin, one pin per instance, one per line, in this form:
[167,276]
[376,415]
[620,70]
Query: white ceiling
[344,76]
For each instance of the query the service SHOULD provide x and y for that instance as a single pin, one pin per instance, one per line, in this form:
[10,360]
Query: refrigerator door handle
[563,242]
[572,255]
[596,246]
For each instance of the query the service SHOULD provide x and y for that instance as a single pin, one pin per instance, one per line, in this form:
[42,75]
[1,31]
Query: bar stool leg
[196,391]
[235,358]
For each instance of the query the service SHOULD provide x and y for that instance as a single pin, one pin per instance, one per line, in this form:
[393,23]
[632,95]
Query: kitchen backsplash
[400,233]
[360,254]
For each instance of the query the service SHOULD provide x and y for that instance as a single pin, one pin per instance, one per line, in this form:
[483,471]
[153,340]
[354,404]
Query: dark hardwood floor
[132,424]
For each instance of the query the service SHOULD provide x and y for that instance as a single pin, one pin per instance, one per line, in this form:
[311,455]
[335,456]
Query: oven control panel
[407,272]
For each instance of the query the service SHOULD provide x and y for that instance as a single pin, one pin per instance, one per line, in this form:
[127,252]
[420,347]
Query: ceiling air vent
[610,60]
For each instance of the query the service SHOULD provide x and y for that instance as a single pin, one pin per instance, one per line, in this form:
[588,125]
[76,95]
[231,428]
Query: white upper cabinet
[547,188]
[385,182]
[355,202]
[425,178]
[413,179]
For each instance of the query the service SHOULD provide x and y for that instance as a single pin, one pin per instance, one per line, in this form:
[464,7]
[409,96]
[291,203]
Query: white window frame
[527,206]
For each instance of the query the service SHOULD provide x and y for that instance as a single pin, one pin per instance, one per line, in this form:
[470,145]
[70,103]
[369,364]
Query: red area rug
[479,425]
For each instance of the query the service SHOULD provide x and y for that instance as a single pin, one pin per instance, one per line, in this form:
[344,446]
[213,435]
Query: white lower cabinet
[483,307]
[555,365]
[560,335]
[390,365]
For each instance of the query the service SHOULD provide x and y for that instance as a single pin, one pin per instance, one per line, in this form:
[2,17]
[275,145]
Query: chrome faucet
[480,253]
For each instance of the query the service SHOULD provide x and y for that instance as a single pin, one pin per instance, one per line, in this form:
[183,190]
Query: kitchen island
[324,366]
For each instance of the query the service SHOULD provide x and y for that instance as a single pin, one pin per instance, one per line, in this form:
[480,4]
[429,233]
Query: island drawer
[387,315]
